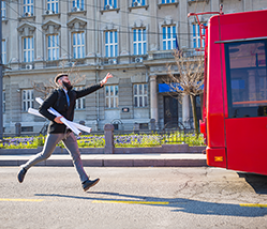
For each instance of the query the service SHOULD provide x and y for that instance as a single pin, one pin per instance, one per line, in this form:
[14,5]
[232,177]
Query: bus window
[246,78]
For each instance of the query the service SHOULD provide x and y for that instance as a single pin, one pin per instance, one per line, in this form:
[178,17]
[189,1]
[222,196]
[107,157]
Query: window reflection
[246,78]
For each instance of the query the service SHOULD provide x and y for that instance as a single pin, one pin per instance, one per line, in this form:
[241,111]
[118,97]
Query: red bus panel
[236,100]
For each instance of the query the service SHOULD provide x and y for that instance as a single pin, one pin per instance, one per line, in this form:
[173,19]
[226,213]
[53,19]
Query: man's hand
[57,119]
[105,79]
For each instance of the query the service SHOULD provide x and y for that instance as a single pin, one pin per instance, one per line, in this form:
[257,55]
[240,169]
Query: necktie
[68,99]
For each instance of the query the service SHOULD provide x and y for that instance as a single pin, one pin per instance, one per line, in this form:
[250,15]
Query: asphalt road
[52,197]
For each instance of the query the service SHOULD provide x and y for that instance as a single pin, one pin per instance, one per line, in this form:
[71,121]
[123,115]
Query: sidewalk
[115,160]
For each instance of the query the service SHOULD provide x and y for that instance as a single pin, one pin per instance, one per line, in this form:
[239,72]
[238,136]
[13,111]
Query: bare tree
[47,88]
[189,81]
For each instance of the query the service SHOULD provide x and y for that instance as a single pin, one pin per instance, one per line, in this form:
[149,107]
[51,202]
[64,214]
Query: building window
[28,7]
[78,45]
[169,37]
[116,126]
[196,36]
[4,52]
[28,49]
[78,5]
[139,41]
[80,103]
[112,96]
[52,6]
[138,3]
[111,43]
[27,99]
[4,101]
[3,10]
[110,4]
[53,47]
[140,95]
[167,1]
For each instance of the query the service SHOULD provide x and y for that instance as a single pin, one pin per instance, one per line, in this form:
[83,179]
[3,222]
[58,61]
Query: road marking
[22,200]
[131,202]
[254,205]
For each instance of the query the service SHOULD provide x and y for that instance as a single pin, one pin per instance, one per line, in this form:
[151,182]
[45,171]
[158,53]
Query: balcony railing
[96,61]
[169,54]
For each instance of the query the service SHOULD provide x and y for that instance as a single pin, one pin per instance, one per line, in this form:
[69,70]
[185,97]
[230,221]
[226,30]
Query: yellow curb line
[130,202]
[22,200]
[254,205]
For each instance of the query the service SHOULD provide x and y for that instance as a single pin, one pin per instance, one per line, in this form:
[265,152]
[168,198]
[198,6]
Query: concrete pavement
[115,160]
[133,198]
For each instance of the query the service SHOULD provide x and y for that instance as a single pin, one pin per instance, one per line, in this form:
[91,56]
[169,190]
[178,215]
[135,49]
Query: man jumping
[63,101]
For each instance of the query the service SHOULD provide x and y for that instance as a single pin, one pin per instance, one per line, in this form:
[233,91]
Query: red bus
[235,92]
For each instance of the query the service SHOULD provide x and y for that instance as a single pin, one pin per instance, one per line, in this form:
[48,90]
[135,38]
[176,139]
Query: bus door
[246,121]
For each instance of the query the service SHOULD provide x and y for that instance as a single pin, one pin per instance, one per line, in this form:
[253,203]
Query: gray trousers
[71,145]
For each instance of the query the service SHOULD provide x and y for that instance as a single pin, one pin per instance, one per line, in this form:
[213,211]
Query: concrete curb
[115,160]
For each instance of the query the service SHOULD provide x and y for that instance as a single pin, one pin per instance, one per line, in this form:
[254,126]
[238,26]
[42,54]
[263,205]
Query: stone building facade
[132,39]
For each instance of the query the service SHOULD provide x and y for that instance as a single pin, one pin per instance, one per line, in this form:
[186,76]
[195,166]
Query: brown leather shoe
[90,183]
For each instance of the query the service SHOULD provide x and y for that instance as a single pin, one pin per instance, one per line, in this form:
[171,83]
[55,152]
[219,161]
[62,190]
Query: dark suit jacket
[58,101]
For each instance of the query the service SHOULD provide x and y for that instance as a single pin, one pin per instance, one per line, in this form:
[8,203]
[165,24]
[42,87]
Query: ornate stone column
[183,28]
[153,98]
[186,110]
[65,38]
[124,36]
[38,43]
[153,26]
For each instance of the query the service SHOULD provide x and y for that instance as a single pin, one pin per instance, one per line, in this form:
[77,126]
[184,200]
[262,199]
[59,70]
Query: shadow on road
[177,204]
[256,181]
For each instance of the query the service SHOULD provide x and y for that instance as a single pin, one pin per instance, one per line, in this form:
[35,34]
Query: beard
[67,85]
